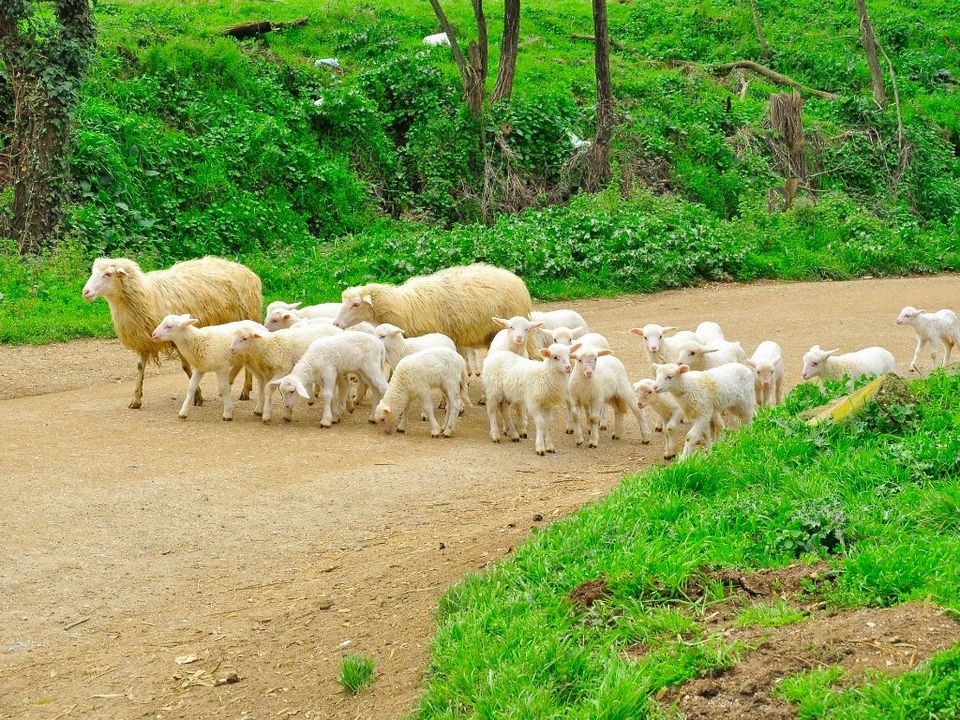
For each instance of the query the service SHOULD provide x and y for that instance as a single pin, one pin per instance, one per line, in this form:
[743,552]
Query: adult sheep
[459,302]
[212,290]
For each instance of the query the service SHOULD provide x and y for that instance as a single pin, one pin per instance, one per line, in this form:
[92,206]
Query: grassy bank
[877,498]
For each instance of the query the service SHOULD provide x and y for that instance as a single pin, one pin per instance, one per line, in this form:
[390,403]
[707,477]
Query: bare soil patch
[131,538]
[891,640]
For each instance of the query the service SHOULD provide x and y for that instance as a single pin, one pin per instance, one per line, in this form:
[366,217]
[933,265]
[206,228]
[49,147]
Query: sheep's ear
[367,298]
[287,316]
[574,356]
[683,368]
[655,366]
[828,353]
[709,350]
[190,321]
[778,360]
[536,325]
[544,353]
[580,329]
[750,364]
[120,270]
[396,331]
[293,306]
[256,334]
[920,311]
[604,352]
[301,390]
[500,321]
[670,328]
[636,331]
[575,347]
[637,385]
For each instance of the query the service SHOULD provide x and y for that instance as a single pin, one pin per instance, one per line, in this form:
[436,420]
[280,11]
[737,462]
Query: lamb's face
[356,307]
[814,361]
[587,359]
[558,355]
[279,318]
[104,280]
[644,391]
[242,339]
[668,377]
[908,315]
[387,333]
[290,389]
[763,371]
[384,418]
[562,335]
[652,335]
[168,328]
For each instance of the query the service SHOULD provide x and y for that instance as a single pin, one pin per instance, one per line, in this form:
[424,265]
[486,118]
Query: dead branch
[261,27]
[764,48]
[615,44]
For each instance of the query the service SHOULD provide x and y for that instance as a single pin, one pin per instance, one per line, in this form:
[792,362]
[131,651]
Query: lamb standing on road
[703,395]
[567,336]
[932,330]
[659,347]
[327,362]
[666,408]
[458,302]
[207,349]
[539,386]
[398,346]
[599,379]
[415,377]
[554,320]
[827,365]
[212,290]
[767,365]
[273,354]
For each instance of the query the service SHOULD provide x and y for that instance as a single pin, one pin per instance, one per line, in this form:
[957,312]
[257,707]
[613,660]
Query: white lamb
[206,349]
[415,377]
[709,333]
[827,365]
[554,320]
[599,379]
[567,336]
[932,330]
[539,386]
[273,354]
[399,347]
[705,395]
[667,410]
[327,362]
[281,314]
[659,347]
[767,365]
[698,356]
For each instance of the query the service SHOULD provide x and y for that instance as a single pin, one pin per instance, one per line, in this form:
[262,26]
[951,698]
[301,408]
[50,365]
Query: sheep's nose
[339,324]
[655,348]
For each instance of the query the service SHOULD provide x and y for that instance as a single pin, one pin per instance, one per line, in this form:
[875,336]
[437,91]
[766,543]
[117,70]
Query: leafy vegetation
[511,643]
[356,673]
[190,143]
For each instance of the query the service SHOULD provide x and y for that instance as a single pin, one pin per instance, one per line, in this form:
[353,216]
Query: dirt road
[132,539]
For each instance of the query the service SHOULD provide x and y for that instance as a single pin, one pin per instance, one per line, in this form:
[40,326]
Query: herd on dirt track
[411,345]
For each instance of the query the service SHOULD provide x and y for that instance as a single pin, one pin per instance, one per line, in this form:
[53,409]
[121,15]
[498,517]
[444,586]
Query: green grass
[356,673]
[774,614]
[510,643]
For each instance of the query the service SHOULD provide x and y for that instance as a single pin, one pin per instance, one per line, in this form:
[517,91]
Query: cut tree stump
[887,390]
[261,27]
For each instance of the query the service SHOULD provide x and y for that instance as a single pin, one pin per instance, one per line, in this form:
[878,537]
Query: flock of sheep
[403,344]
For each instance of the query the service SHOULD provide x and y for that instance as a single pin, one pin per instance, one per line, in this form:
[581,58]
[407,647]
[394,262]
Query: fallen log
[261,27]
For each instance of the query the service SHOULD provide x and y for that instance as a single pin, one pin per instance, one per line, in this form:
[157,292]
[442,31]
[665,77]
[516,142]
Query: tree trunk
[870,46]
[764,49]
[509,45]
[598,166]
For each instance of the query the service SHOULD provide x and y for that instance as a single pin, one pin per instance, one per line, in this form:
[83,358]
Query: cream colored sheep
[667,410]
[212,290]
[458,302]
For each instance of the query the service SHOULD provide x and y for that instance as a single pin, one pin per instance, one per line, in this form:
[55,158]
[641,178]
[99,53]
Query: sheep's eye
[356,304]
[107,274]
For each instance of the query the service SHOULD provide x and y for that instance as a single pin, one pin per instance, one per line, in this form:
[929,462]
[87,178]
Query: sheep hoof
[523,435]
[515,439]
[541,453]
[645,441]
[579,443]
[591,445]
[244,395]
[482,401]
[435,435]
[669,457]
[371,422]
[198,398]
[134,404]
[325,425]
[569,431]
[552,451]
[229,419]
[496,440]
[401,430]
[287,419]
[658,429]
[258,413]
[311,402]
[615,437]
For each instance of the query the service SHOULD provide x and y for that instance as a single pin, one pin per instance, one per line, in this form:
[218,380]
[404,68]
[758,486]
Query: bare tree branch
[509,47]
[870,46]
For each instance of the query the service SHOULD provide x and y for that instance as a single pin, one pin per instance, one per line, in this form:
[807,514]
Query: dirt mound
[587,593]
[891,640]
[775,582]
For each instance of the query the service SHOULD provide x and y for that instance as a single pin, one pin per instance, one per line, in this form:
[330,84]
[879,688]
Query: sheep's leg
[574,409]
[198,396]
[641,421]
[670,444]
[524,422]
[138,390]
[195,377]
[947,349]
[373,378]
[547,416]
[509,428]
[261,394]
[593,420]
[452,393]
[223,379]
[426,404]
[247,385]
[618,416]
[539,423]
[570,429]
[492,408]
[778,393]
[326,400]
[914,364]
[934,354]
[699,430]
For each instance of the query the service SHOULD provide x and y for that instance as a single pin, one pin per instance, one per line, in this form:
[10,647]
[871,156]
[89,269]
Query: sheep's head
[908,315]
[356,307]
[388,333]
[564,335]
[814,361]
[383,417]
[290,387]
[171,325]
[645,391]
[694,354]
[586,357]
[278,318]
[763,370]
[243,337]
[518,328]
[653,335]
[559,356]
[668,376]
[105,278]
